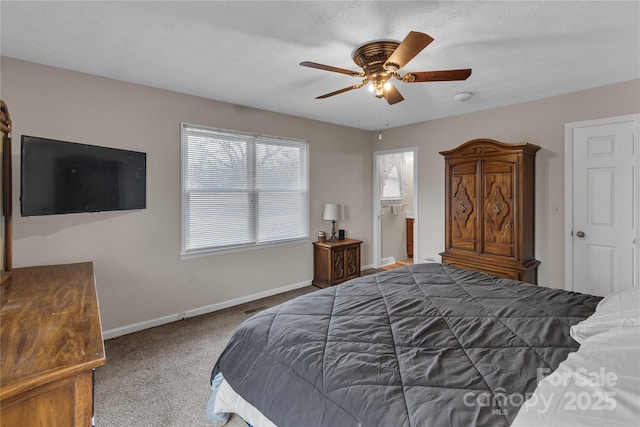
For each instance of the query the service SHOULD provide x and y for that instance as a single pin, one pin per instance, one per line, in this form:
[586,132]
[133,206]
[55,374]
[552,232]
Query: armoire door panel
[464,214]
[499,209]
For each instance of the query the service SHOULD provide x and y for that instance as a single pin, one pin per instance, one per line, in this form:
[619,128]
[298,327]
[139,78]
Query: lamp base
[333,232]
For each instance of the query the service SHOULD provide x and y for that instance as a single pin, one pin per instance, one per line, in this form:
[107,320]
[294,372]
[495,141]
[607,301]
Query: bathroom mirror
[6,199]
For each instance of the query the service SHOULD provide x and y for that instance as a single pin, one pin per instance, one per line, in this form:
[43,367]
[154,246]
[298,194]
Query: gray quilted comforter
[424,345]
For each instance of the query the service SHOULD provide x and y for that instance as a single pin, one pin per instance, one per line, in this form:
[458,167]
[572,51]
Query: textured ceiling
[247,53]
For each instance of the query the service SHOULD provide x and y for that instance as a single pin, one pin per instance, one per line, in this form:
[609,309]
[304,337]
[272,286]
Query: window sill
[229,250]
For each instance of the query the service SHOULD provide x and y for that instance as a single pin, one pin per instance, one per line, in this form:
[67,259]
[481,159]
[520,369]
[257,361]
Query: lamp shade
[332,212]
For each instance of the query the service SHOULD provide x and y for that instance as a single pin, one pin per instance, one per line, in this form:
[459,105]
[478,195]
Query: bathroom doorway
[395,207]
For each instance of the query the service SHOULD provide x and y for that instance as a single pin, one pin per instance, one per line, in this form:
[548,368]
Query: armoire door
[463,200]
[498,220]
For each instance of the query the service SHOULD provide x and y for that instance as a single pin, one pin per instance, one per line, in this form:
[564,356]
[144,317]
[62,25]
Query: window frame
[241,247]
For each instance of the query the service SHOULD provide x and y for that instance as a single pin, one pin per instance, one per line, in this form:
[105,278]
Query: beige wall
[539,122]
[139,273]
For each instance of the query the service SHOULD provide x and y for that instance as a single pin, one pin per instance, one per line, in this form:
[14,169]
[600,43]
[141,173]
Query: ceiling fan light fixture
[387,86]
[378,85]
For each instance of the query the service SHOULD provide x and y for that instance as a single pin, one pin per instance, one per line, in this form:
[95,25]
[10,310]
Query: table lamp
[333,213]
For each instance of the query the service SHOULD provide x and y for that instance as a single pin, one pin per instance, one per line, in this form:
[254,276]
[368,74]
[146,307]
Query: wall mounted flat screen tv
[59,177]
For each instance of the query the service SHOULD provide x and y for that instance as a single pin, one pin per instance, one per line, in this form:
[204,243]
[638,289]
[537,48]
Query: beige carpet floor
[159,377]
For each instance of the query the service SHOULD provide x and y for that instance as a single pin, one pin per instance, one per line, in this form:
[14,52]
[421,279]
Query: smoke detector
[462,96]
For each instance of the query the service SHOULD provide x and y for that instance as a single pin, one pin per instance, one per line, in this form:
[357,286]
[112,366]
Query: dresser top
[49,326]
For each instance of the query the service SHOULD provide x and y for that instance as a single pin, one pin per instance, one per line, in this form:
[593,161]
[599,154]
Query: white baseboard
[387,261]
[124,330]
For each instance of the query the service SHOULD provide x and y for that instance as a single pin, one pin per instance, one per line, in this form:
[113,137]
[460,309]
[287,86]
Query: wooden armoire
[489,208]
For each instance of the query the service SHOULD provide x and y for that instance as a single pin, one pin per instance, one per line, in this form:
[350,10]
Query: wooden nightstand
[335,262]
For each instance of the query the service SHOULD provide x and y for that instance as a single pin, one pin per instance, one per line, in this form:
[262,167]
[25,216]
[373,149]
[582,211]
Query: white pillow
[598,385]
[615,312]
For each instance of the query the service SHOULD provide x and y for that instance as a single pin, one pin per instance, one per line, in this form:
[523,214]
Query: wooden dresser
[489,208]
[335,262]
[51,340]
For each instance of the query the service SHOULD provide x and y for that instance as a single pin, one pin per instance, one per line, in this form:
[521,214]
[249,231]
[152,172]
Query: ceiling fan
[382,59]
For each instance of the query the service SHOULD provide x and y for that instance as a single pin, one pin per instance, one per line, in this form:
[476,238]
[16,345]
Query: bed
[423,345]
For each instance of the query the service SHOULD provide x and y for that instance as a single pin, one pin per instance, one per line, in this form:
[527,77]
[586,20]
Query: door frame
[377,219]
[569,129]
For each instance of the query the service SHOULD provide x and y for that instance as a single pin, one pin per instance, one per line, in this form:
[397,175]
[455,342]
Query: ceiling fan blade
[392,95]
[346,89]
[330,68]
[407,50]
[437,76]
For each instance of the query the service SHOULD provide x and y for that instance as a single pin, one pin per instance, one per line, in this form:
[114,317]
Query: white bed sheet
[228,401]
[598,385]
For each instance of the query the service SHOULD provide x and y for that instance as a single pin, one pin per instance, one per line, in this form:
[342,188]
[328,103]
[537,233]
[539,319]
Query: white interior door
[604,207]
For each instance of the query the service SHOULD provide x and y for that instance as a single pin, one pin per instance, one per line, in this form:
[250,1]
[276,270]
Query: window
[393,171]
[391,187]
[242,190]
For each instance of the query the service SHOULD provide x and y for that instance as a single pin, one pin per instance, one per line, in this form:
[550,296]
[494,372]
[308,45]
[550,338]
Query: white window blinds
[242,190]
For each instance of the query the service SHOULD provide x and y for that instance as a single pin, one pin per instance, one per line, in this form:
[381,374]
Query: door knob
[580,234]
